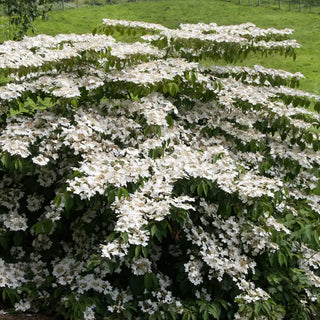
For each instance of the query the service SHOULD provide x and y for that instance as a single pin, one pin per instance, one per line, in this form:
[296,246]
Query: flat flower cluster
[138,184]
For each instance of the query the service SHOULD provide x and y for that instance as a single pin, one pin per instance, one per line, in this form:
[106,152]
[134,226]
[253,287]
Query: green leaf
[17,238]
[5,160]
[193,186]
[145,251]
[205,188]
[111,195]
[165,88]
[124,236]
[153,230]
[150,281]
[173,88]
[57,200]
[137,251]
[215,310]
[282,259]
[37,227]
[47,226]
[170,121]
[107,66]
[68,201]
[173,315]
[74,102]
[122,192]
[200,188]
[94,262]
[4,243]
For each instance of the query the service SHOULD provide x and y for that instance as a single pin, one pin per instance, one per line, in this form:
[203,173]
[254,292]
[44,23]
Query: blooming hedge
[138,183]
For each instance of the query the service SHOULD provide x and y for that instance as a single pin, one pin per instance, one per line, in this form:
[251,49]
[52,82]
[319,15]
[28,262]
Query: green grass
[172,13]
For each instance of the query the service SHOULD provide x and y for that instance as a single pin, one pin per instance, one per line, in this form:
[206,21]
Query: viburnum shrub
[138,183]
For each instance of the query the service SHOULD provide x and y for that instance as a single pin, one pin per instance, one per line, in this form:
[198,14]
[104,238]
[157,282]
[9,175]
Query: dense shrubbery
[136,184]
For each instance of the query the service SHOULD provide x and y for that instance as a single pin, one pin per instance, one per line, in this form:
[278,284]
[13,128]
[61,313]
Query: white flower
[193,268]
[88,314]
[22,306]
[14,221]
[34,202]
[40,160]
[140,266]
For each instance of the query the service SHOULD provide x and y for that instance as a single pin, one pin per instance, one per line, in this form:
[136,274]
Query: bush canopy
[137,183]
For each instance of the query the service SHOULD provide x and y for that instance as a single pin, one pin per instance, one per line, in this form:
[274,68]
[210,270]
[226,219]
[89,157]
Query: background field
[172,13]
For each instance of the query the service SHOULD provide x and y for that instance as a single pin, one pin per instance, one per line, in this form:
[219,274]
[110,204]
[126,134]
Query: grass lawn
[172,13]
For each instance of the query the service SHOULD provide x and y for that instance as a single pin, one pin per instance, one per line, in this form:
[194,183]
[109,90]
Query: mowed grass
[172,13]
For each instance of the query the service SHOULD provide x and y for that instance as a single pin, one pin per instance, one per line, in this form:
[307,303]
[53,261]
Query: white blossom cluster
[12,275]
[238,34]
[146,182]
[153,72]
[134,24]
[255,75]
[40,50]
[66,84]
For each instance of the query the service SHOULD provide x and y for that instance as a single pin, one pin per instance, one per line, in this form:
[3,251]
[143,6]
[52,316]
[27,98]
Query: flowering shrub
[137,183]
